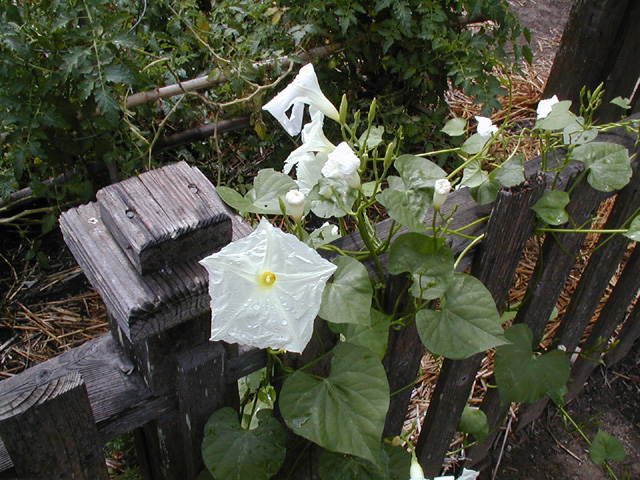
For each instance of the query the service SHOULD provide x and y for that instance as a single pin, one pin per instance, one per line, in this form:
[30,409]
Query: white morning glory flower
[294,201]
[416,472]
[304,89]
[313,140]
[343,164]
[544,107]
[266,290]
[441,190]
[485,126]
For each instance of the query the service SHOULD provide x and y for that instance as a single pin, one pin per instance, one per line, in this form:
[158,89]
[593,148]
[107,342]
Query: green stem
[466,250]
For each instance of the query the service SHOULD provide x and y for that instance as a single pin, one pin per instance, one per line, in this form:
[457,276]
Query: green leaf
[622,102]
[344,412]
[550,207]
[511,172]
[268,186]
[474,421]
[399,462]
[634,230]
[429,260]
[575,133]
[373,335]
[405,206]
[606,447]
[609,164]
[558,118]
[347,299]
[455,127]
[475,143]
[336,466]
[467,322]
[473,175]
[231,452]
[408,197]
[521,375]
[375,138]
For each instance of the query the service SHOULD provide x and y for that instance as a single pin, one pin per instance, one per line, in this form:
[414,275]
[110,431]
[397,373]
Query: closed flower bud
[294,201]
[441,189]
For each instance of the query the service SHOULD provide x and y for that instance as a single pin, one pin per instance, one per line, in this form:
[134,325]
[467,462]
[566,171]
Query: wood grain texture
[165,216]
[494,265]
[140,305]
[50,433]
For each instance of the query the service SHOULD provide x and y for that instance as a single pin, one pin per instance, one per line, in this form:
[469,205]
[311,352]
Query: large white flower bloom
[313,140]
[304,89]
[266,290]
[544,107]
[343,164]
[486,127]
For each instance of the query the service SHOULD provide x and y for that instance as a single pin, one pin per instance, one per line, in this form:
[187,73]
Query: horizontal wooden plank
[165,216]
[140,305]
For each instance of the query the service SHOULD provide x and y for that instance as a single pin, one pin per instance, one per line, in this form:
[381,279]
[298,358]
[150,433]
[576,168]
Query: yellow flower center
[267,278]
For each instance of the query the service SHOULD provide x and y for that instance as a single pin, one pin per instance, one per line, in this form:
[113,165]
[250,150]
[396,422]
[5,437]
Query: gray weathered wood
[140,306]
[50,433]
[600,44]
[610,317]
[495,263]
[629,334]
[165,216]
[556,259]
[201,389]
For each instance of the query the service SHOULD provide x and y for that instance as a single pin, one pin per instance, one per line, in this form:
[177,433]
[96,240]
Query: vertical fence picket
[494,264]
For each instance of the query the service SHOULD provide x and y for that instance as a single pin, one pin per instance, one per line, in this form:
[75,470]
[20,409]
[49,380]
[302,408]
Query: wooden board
[165,216]
[140,305]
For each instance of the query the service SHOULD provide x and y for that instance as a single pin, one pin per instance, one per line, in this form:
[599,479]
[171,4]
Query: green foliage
[411,49]
[551,207]
[344,412]
[347,299]
[522,375]
[466,323]
[474,421]
[606,447]
[232,452]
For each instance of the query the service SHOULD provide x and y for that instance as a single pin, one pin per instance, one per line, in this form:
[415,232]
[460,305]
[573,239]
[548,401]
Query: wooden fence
[157,374]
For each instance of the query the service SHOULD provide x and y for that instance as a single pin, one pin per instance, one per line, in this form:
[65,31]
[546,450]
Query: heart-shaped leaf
[551,207]
[231,452]
[521,375]
[606,447]
[406,206]
[474,421]
[268,187]
[344,412]
[455,127]
[347,299]
[429,260]
[609,164]
[466,323]
[558,118]
[373,335]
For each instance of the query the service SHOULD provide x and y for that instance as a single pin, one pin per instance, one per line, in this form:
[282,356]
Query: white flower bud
[442,188]
[294,201]
[416,472]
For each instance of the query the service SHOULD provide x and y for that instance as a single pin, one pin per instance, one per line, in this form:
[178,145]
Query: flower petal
[277,315]
[304,89]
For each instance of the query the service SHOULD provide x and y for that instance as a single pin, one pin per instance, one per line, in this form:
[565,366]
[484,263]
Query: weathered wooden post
[600,44]
[49,431]
[139,246]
